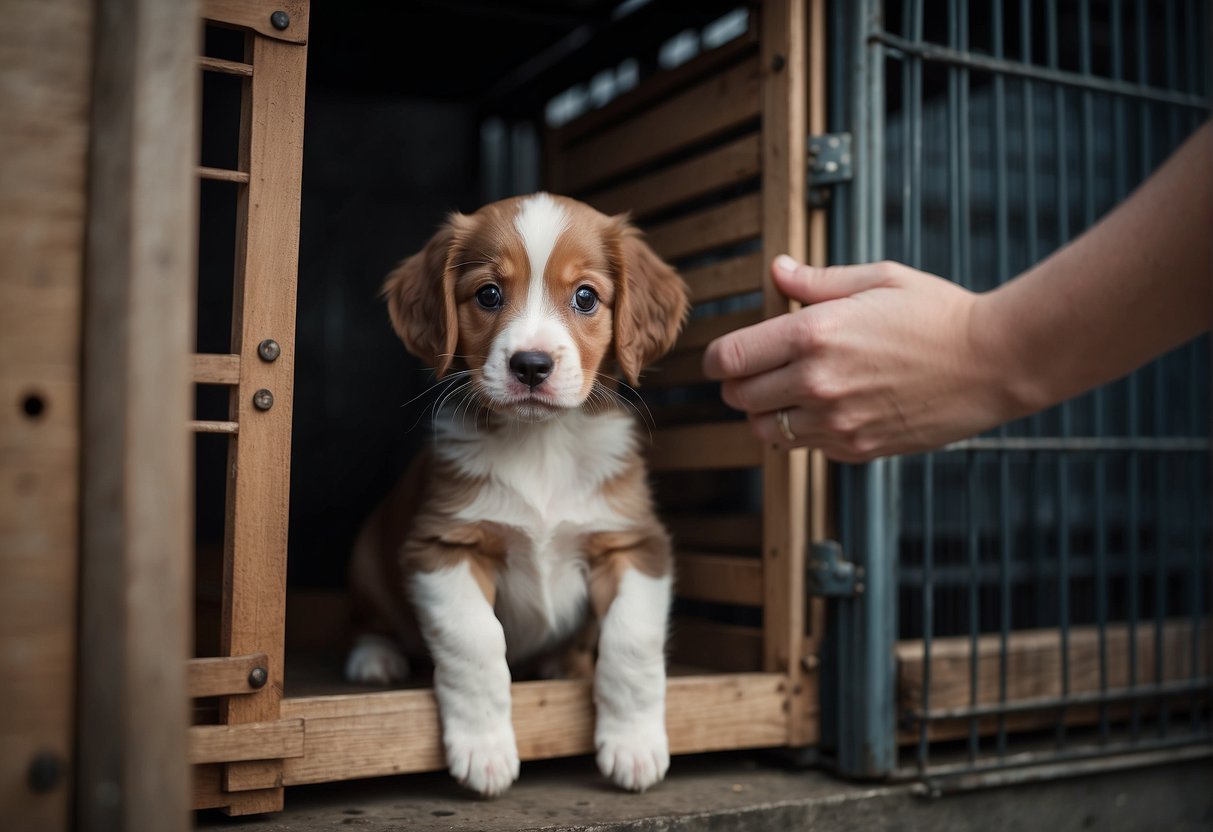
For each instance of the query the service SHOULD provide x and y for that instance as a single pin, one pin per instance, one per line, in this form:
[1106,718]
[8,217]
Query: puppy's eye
[489,297]
[585,300]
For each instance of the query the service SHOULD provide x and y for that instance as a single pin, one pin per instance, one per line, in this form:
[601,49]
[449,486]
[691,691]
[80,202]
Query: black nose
[531,368]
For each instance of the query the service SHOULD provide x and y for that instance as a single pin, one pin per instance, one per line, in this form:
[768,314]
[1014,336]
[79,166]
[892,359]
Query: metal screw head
[280,20]
[269,350]
[778,63]
[257,677]
[45,772]
[263,399]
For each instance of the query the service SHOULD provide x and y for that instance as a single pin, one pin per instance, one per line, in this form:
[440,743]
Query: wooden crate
[733,120]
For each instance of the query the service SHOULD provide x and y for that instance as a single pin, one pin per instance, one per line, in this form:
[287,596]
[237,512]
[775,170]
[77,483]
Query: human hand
[885,360]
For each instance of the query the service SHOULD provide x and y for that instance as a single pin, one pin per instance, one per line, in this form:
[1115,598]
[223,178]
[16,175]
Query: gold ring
[781,419]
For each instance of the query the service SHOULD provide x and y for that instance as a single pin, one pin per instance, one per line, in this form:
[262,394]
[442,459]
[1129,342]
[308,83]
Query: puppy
[529,523]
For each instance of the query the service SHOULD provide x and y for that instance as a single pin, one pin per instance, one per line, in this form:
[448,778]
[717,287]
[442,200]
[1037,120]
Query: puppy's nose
[531,368]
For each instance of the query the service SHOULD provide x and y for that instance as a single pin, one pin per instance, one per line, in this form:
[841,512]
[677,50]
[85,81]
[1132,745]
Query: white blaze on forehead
[540,222]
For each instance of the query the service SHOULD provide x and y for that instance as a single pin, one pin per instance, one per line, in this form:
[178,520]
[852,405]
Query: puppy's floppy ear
[420,295]
[651,301]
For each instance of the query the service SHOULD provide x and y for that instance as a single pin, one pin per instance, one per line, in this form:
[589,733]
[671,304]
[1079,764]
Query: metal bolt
[257,677]
[269,350]
[45,772]
[263,399]
[280,20]
[778,63]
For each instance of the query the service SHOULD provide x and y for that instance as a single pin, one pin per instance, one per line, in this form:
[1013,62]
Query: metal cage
[1036,596]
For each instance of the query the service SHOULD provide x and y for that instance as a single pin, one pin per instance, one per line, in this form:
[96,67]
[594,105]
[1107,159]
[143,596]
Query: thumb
[809,284]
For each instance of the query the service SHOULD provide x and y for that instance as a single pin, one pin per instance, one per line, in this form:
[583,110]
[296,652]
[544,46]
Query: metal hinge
[829,164]
[830,574]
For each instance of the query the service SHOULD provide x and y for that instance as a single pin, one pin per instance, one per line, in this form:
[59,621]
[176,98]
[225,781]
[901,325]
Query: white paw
[486,762]
[634,755]
[375,660]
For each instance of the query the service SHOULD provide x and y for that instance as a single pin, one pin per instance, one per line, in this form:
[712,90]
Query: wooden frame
[263,741]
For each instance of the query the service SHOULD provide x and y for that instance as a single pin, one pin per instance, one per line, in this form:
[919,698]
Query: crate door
[1050,576]
[239,746]
[709,159]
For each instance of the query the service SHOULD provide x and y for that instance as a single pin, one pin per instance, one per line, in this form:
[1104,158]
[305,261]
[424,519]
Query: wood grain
[44,134]
[719,103]
[728,648]
[716,531]
[246,741]
[735,276]
[216,369]
[785,473]
[731,222]
[221,676]
[725,579]
[370,735]
[258,497]
[730,164]
[717,445]
[255,15]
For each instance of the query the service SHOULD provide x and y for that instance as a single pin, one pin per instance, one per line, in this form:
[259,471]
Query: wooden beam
[258,497]
[735,276]
[255,15]
[717,445]
[699,332]
[223,676]
[782,36]
[724,531]
[730,164]
[275,740]
[216,369]
[222,67]
[370,735]
[223,175]
[724,579]
[138,324]
[44,139]
[677,369]
[726,100]
[212,426]
[721,225]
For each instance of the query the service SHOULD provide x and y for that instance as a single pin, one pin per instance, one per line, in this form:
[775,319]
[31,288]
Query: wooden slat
[255,15]
[737,161]
[726,531]
[702,331]
[724,647]
[735,276]
[654,88]
[678,369]
[211,426]
[782,30]
[216,369]
[275,740]
[138,488]
[370,735]
[723,101]
[208,787]
[725,579]
[258,496]
[732,222]
[719,445]
[224,67]
[44,139]
[222,174]
[221,676]
[1034,663]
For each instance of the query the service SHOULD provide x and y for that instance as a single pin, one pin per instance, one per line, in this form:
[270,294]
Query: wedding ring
[781,419]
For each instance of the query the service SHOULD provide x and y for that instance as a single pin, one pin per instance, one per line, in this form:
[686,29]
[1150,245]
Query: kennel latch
[830,574]
[829,163]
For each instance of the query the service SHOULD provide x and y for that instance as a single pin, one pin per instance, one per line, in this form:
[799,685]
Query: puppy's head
[533,294]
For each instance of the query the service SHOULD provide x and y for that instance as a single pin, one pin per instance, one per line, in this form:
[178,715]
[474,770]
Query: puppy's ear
[651,301]
[420,295]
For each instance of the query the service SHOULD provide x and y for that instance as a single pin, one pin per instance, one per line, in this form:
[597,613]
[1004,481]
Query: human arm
[886,359]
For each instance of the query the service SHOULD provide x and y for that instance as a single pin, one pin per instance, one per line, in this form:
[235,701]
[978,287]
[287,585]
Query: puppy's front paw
[375,660]
[635,755]
[486,763]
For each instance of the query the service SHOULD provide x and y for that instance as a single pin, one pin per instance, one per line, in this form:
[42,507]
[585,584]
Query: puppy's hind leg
[375,660]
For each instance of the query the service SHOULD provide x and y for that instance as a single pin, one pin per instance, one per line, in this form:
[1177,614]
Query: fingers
[765,392]
[809,284]
[809,432]
[755,349]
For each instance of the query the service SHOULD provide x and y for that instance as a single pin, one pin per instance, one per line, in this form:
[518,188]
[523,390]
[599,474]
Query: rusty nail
[269,350]
[263,399]
[257,677]
[280,20]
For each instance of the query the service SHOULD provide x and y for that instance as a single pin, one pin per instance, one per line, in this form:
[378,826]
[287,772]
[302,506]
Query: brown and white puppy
[531,514]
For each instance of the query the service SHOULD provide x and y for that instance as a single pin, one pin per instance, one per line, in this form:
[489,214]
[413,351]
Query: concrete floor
[719,792]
